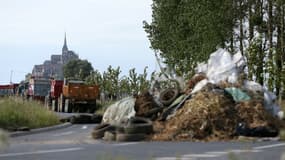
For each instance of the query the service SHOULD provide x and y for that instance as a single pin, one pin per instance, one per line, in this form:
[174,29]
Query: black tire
[130,137]
[137,108]
[99,130]
[96,118]
[167,96]
[82,119]
[153,111]
[139,125]
[120,129]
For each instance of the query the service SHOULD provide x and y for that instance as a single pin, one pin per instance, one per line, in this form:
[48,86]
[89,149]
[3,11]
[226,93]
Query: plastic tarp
[270,104]
[237,94]
[200,85]
[253,86]
[120,111]
[222,66]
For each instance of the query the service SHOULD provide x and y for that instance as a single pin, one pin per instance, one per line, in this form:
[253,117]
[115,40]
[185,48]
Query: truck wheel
[61,103]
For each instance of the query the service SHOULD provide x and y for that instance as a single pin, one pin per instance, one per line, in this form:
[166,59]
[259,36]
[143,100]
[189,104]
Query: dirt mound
[211,116]
[254,115]
[144,104]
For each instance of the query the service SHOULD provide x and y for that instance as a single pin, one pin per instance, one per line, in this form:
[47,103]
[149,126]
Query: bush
[15,113]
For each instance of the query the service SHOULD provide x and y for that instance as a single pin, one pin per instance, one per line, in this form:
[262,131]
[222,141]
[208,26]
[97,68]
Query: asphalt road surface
[75,143]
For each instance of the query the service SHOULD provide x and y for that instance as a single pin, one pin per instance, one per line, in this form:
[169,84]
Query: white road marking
[201,155]
[125,144]
[270,146]
[217,152]
[40,152]
[63,134]
[84,127]
[244,151]
[213,154]
[172,158]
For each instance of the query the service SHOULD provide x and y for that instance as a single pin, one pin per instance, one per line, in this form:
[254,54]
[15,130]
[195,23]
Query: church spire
[64,48]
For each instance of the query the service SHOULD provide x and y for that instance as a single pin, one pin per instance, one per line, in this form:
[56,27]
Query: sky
[105,32]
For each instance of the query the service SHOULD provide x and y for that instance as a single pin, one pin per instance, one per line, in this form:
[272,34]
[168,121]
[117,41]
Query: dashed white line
[244,151]
[125,144]
[200,155]
[40,152]
[63,134]
[270,146]
[217,152]
[172,158]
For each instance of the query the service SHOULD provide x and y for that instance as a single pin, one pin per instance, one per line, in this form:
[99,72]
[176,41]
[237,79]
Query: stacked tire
[137,129]
[99,131]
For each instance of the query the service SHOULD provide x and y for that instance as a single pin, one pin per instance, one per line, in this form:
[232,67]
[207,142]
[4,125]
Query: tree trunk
[241,36]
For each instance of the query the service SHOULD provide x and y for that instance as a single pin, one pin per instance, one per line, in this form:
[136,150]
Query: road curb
[39,130]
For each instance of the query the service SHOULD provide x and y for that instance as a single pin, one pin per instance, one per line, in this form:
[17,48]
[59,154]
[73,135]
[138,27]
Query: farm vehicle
[72,96]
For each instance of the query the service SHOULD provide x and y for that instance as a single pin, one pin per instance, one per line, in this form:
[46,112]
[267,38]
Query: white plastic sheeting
[120,111]
[222,66]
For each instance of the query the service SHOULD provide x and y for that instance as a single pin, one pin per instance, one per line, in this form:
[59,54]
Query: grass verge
[3,139]
[16,113]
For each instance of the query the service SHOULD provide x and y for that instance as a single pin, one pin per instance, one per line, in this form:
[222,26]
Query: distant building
[54,66]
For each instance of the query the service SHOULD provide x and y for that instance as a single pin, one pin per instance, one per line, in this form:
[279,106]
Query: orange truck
[73,96]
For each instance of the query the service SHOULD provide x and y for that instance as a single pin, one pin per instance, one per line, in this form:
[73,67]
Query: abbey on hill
[54,66]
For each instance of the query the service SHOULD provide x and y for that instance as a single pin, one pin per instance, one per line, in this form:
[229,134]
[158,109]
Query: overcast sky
[105,32]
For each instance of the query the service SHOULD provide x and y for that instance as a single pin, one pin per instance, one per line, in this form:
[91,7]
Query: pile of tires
[137,129]
[99,131]
[167,96]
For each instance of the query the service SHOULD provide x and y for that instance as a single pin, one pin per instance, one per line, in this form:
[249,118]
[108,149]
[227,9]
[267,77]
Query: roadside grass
[16,113]
[3,139]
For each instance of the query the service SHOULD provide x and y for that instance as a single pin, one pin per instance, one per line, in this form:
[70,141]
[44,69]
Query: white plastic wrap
[222,66]
[120,111]
[270,104]
[199,86]
[252,86]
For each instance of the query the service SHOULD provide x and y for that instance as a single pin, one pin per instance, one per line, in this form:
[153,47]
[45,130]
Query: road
[75,143]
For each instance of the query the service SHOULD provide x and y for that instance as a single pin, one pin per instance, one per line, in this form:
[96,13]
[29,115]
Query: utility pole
[11,75]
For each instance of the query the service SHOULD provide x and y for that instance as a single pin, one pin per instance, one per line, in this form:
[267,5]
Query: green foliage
[77,69]
[186,32]
[15,112]
[113,85]
[111,80]
[95,77]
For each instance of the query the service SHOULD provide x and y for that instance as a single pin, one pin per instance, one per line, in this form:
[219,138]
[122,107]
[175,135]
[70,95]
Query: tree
[78,69]
[111,81]
[184,32]
[94,78]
